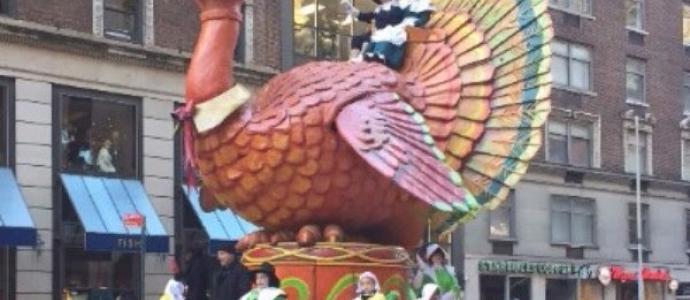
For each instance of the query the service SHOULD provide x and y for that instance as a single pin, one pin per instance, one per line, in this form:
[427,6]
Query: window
[687,228]
[631,154]
[686,24]
[572,221]
[4,122]
[686,158]
[572,65]
[322,31]
[576,6]
[495,287]
[632,224]
[6,7]
[686,92]
[569,143]
[562,289]
[502,219]
[122,19]
[99,133]
[635,81]
[7,272]
[634,14]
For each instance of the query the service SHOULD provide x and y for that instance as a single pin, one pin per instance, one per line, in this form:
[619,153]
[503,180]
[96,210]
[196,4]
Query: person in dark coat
[232,280]
[196,274]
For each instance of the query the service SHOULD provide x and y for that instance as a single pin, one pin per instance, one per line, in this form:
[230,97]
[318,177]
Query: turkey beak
[211,113]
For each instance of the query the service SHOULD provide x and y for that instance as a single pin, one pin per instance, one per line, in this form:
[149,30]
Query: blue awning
[16,226]
[222,226]
[101,203]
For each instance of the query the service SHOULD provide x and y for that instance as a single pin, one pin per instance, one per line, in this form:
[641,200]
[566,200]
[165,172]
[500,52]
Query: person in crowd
[104,160]
[434,268]
[196,273]
[264,277]
[231,281]
[385,43]
[175,288]
[368,287]
[430,291]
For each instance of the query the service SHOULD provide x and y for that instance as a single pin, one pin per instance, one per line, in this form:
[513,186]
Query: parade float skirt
[329,271]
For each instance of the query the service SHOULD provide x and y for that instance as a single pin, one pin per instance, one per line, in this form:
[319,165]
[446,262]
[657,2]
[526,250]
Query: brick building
[86,92]
[74,72]
[575,210]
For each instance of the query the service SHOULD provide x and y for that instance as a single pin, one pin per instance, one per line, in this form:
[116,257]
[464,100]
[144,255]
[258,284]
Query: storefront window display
[561,289]
[98,133]
[90,273]
[498,287]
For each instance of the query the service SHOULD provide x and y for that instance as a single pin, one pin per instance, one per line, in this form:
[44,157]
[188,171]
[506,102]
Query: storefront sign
[127,244]
[541,268]
[648,274]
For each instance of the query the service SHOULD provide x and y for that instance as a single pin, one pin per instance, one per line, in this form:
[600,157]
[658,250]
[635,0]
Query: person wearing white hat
[368,287]
[434,268]
[430,292]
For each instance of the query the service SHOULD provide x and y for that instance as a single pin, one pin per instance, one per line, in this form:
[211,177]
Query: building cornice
[85,44]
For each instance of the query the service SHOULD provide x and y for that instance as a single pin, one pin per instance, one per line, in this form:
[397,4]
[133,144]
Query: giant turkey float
[347,165]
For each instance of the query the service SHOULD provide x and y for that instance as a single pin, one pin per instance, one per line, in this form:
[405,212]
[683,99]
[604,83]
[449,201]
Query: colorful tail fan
[486,99]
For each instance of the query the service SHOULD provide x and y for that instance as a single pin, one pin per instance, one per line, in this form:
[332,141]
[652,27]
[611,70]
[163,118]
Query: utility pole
[638,205]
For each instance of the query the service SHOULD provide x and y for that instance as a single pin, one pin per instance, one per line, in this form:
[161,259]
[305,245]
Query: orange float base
[329,271]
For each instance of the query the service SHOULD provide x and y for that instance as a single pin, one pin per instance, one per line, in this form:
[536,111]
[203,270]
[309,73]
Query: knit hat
[371,276]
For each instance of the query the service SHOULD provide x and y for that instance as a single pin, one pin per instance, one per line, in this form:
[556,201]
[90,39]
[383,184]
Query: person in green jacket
[435,268]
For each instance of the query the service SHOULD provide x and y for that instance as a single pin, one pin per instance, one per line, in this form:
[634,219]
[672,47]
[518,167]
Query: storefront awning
[222,226]
[16,226]
[101,204]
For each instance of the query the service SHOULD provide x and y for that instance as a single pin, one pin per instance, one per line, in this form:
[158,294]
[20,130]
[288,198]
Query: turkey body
[281,163]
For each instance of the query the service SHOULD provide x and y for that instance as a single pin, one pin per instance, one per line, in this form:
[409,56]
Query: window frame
[8,117]
[687,230]
[10,8]
[570,59]
[643,62]
[567,9]
[289,55]
[685,4]
[137,35]
[684,161]
[569,137]
[686,92]
[640,21]
[571,202]
[646,230]
[8,84]
[629,138]
[510,205]
[58,104]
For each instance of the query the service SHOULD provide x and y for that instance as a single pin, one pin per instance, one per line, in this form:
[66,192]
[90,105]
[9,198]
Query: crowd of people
[435,279]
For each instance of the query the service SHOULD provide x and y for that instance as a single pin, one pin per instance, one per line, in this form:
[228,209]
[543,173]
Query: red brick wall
[71,14]
[177,24]
[666,60]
